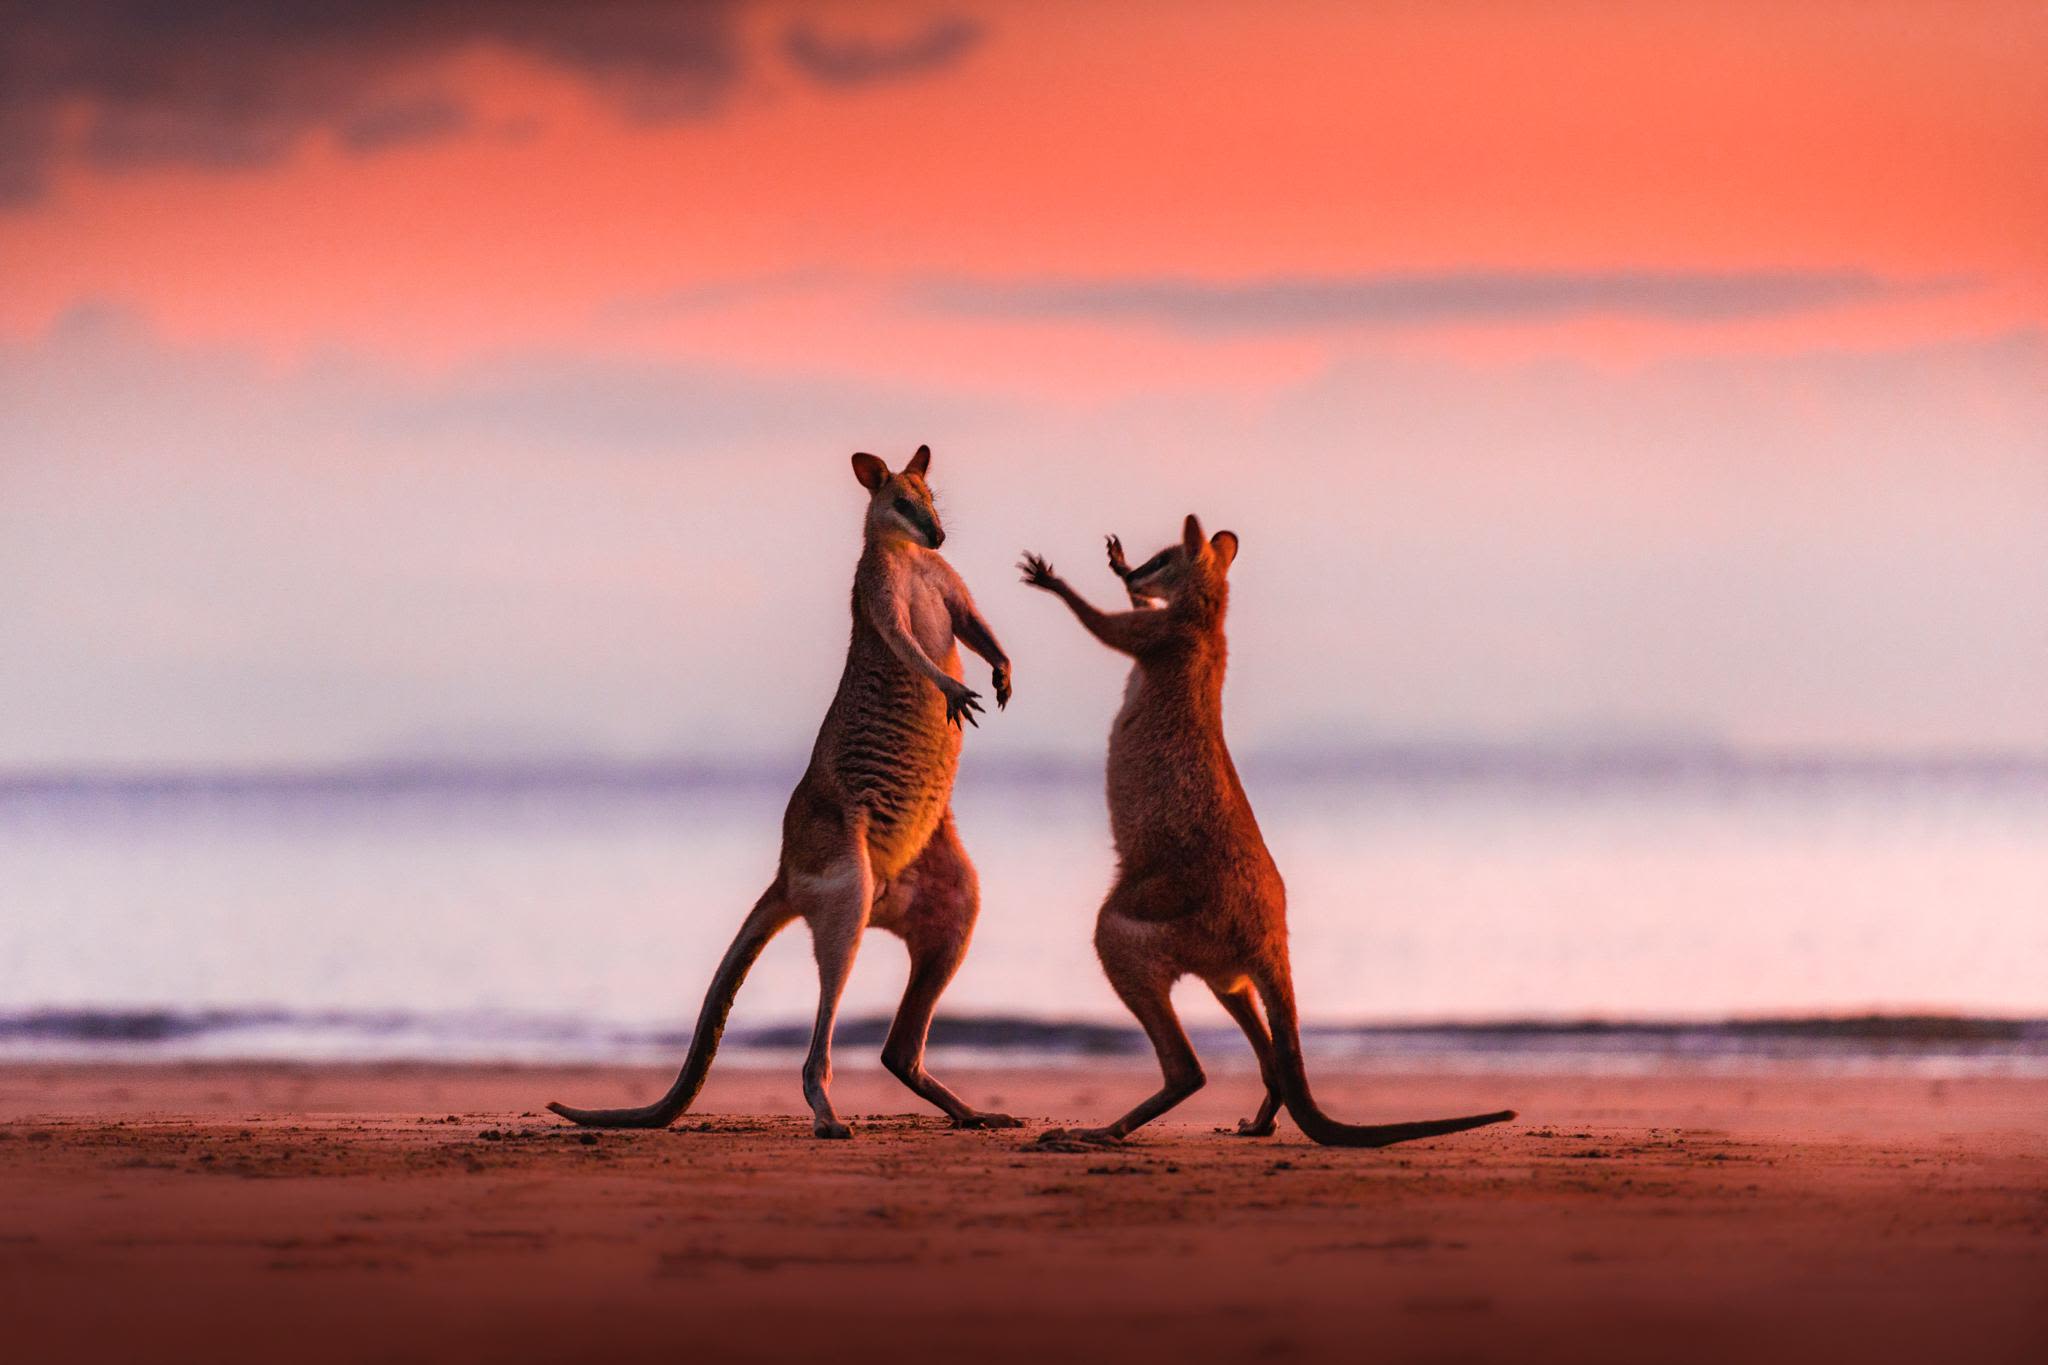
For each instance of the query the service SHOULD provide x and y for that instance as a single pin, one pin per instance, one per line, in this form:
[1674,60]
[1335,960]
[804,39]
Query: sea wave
[1919,1043]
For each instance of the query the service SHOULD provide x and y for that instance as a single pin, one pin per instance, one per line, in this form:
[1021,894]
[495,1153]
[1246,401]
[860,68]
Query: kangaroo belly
[1153,794]
[893,756]
[1174,802]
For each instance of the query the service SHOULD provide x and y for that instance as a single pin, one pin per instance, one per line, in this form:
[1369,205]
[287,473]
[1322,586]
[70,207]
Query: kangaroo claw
[1118,565]
[963,704]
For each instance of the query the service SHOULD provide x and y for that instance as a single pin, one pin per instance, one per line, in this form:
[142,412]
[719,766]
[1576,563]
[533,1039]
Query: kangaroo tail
[1278,993]
[769,915]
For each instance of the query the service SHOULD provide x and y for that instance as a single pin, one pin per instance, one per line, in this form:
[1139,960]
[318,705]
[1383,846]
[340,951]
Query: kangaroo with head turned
[1196,891]
[868,836]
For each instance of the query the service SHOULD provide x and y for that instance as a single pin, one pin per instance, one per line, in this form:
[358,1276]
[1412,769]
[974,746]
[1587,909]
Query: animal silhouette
[1196,893]
[868,837]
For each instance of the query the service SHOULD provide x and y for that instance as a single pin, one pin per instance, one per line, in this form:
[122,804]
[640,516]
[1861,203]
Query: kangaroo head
[1194,564]
[900,505]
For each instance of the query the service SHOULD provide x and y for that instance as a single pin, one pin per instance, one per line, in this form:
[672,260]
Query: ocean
[1459,908]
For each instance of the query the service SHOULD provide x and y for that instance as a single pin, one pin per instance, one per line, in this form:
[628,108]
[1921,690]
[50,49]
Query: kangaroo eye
[903,506]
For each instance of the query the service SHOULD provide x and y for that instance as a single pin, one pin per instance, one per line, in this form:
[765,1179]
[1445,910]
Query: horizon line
[1394,758]
[1912,1022]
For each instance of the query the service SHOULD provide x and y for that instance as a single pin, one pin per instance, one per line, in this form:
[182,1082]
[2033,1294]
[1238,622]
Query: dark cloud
[1398,299]
[861,60]
[394,124]
[241,82]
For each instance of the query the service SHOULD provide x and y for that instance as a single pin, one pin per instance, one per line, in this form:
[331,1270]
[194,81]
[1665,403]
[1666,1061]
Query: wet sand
[232,1213]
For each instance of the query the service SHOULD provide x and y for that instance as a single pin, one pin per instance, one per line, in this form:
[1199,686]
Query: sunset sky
[420,379]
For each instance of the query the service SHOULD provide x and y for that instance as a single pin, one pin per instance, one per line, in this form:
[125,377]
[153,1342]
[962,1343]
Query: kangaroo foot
[1250,1128]
[830,1128]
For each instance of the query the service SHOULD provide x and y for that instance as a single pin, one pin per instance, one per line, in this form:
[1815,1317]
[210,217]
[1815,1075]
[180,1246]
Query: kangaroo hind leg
[834,899]
[1145,985]
[1238,1001]
[944,900]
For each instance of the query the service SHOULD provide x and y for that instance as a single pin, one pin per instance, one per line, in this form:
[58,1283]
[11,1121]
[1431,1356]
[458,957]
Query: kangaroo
[868,836]
[1196,891]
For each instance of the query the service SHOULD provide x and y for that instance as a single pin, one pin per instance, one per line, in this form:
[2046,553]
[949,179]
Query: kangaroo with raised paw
[1196,891]
[868,837]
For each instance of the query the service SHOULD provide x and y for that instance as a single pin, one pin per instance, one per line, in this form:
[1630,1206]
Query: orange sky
[385,371]
[1203,141]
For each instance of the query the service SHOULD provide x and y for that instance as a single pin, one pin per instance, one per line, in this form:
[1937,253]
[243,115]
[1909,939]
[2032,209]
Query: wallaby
[868,836]
[1196,891]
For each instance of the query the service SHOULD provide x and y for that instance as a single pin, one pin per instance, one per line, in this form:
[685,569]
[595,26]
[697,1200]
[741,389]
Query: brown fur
[868,837]
[1196,891]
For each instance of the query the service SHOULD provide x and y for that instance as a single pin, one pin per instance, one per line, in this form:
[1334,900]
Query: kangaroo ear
[1224,543]
[919,462]
[870,471]
[1191,538]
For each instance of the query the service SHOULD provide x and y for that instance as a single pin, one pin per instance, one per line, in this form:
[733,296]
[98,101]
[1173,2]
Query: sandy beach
[226,1213]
